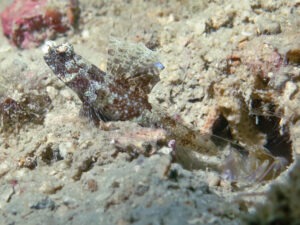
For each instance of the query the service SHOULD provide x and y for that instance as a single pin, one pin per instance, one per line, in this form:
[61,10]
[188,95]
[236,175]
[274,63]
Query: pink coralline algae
[27,23]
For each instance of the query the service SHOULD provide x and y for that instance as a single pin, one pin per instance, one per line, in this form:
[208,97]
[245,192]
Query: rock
[293,56]
[52,92]
[66,149]
[50,187]
[282,206]
[213,180]
[4,168]
[31,108]
[45,203]
[27,23]
[267,26]
[90,185]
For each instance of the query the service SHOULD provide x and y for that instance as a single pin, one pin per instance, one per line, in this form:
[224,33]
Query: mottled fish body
[119,94]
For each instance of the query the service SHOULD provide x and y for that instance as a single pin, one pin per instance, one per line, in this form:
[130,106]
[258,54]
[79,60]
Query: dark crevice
[278,141]
[194,100]
[51,154]
[279,144]
[221,135]
[221,131]
[278,138]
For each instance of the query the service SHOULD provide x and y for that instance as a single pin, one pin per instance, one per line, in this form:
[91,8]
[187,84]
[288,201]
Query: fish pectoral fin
[93,114]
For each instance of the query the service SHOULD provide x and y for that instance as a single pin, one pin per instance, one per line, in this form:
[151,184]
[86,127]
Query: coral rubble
[27,23]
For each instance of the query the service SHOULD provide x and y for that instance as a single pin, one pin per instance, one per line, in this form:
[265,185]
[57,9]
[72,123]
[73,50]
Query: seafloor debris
[293,56]
[28,162]
[27,23]
[30,108]
[44,204]
[139,141]
[119,94]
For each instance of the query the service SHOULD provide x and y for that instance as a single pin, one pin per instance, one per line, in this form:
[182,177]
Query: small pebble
[85,34]
[90,185]
[66,148]
[266,26]
[213,180]
[45,203]
[165,150]
[52,92]
[50,188]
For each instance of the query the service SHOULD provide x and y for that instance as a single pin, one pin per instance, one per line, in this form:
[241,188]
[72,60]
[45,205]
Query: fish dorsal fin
[129,60]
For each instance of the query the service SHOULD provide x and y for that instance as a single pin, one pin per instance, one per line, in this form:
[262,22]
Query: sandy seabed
[233,63]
